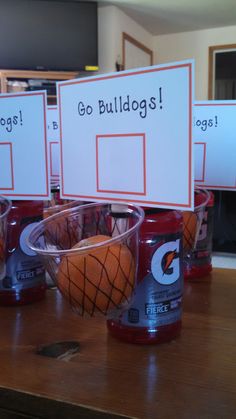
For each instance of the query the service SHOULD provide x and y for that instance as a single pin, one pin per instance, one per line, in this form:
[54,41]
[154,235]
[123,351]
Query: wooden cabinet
[25,75]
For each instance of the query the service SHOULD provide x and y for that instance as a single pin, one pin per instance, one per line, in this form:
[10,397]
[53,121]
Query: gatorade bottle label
[158,297]
[23,266]
[202,254]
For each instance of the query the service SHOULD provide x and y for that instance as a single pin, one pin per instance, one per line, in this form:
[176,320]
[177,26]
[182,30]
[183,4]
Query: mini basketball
[98,279]
[190,229]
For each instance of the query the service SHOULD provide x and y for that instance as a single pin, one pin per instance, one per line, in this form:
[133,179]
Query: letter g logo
[165,263]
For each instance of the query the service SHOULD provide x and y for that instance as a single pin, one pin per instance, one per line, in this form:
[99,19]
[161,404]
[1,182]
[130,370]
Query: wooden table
[191,377]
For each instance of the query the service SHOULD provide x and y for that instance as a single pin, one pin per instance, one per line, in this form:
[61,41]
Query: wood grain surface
[191,377]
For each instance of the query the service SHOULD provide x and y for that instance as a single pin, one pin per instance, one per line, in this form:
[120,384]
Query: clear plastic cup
[56,203]
[5,206]
[51,208]
[192,221]
[90,255]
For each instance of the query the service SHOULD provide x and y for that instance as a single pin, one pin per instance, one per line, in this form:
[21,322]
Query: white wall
[111,23]
[167,48]
[194,45]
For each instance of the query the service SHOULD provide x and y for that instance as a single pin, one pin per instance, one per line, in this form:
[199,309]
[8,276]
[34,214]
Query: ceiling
[171,16]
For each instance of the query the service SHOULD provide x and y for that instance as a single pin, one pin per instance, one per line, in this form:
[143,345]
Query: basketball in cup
[91,260]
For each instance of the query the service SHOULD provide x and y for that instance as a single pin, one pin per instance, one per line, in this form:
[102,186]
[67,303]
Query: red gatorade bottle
[24,281]
[154,315]
[199,264]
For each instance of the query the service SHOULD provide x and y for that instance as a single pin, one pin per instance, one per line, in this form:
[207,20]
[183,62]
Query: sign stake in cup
[5,206]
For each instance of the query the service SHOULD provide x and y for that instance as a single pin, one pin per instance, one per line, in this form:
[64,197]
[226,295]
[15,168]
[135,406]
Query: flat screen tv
[53,35]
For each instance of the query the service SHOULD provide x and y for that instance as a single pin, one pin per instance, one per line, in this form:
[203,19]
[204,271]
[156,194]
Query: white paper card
[23,146]
[53,123]
[214,136]
[127,136]
[53,142]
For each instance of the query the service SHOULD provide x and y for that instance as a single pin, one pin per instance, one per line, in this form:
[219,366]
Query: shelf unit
[6,75]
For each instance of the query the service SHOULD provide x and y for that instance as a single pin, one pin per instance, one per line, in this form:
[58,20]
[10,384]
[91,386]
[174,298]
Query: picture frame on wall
[221,72]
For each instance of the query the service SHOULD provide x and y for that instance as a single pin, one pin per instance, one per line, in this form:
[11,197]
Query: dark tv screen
[59,35]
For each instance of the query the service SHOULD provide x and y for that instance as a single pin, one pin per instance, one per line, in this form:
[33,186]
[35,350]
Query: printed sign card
[127,137]
[214,137]
[53,142]
[23,146]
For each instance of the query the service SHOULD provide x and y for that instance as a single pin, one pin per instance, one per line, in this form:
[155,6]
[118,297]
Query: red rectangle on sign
[52,146]
[6,162]
[203,166]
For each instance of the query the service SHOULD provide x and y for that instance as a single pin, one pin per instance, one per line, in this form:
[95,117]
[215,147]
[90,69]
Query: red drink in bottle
[24,281]
[199,264]
[154,315]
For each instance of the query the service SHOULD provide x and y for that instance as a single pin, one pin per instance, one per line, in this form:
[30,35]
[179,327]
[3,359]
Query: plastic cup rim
[84,249]
[61,207]
[205,202]
[9,205]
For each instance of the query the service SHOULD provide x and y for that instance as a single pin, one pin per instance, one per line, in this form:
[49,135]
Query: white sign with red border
[53,142]
[23,146]
[214,137]
[127,136]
